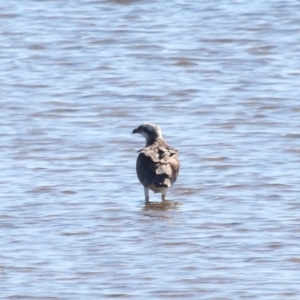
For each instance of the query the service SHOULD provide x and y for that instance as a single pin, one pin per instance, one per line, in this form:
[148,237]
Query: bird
[157,165]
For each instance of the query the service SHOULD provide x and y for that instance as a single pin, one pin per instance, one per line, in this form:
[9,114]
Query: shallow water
[222,80]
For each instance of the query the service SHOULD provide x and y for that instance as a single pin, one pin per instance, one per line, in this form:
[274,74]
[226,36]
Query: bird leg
[146,192]
[163,196]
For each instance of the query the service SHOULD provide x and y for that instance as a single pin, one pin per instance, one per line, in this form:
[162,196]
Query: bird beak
[135,131]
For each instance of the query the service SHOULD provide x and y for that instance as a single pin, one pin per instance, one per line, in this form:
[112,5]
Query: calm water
[222,80]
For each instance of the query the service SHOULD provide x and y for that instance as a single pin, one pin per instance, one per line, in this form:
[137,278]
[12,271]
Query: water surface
[221,79]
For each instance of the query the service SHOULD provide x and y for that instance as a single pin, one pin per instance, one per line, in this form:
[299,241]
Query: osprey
[157,165]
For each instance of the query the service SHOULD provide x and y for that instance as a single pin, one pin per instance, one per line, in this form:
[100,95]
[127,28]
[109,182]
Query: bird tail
[162,180]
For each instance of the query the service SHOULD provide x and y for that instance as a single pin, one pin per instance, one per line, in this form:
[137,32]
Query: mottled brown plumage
[157,164]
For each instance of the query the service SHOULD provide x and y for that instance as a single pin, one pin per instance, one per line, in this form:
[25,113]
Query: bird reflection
[161,206]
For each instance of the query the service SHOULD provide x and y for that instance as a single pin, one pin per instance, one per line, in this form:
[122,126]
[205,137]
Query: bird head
[149,131]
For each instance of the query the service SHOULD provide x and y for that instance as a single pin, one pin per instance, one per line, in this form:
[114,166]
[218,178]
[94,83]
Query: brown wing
[145,169]
[158,164]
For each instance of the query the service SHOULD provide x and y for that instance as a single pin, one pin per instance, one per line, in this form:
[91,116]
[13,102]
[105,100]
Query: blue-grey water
[222,80]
